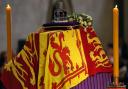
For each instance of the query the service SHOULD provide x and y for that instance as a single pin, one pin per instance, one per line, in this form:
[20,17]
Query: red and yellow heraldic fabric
[56,60]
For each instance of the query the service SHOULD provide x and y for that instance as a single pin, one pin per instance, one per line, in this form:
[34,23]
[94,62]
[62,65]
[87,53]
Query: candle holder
[116,85]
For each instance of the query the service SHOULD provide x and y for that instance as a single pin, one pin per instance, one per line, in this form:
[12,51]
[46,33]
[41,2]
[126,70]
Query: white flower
[89,23]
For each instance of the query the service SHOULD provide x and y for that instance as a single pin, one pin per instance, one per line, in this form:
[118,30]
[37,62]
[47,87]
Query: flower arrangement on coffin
[83,19]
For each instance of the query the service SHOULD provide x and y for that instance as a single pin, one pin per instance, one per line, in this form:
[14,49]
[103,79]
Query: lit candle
[116,44]
[8,28]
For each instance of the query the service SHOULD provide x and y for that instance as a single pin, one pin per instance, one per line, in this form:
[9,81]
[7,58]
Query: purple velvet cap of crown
[61,24]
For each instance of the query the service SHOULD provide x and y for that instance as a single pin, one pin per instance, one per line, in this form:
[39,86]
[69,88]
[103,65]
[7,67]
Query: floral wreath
[83,19]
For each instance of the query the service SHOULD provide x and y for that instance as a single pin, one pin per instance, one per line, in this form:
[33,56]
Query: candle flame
[116,6]
[8,6]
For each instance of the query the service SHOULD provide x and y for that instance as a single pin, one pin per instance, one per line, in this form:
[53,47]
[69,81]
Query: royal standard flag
[56,60]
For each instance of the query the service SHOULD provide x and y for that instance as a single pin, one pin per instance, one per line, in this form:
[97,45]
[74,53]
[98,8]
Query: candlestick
[8,29]
[116,84]
[116,44]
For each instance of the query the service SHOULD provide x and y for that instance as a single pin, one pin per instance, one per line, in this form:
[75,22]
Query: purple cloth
[98,81]
[61,24]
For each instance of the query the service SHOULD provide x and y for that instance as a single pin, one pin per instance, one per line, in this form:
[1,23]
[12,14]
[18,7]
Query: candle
[116,44]
[8,28]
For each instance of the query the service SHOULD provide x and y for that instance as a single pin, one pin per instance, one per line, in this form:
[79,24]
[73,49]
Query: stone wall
[28,15]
